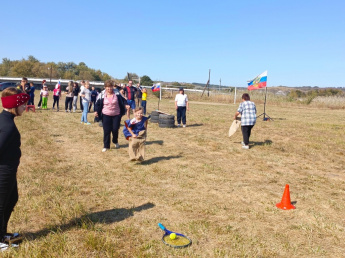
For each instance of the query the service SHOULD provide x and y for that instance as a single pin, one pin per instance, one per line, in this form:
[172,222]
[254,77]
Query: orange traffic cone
[285,204]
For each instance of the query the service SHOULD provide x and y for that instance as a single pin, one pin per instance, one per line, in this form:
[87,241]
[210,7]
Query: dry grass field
[76,201]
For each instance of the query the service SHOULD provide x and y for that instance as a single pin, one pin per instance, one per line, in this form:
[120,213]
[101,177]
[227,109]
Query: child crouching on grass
[135,132]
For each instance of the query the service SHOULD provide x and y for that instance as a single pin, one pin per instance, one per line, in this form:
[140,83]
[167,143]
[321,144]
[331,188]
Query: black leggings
[56,100]
[8,196]
[68,103]
[40,102]
[246,131]
[111,124]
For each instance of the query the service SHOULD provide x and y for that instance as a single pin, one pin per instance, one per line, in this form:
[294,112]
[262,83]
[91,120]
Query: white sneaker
[184,126]
[117,146]
[104,150]
[4,246]
[178,125]
[246,147]
[242,143]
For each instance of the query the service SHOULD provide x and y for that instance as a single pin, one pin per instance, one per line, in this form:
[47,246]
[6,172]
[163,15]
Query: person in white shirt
[85,94]
[181,105]
[82,86]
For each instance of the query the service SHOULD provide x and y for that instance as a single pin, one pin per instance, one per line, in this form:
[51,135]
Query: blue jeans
[143,105]
[85,111]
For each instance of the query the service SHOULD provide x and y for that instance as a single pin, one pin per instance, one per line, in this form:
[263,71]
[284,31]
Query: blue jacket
[136,127]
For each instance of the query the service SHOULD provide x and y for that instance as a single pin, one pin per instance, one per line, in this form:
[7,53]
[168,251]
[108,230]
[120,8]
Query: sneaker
[82,122]
[4,246]
[242,143]
[184,126]
[87,123]
[246,147]
[178,125]
[66,111]
[104,149]
[12,238]
[117,146]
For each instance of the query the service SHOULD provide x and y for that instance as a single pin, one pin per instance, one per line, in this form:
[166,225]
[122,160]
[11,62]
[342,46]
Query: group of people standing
[72,92]
[109,106]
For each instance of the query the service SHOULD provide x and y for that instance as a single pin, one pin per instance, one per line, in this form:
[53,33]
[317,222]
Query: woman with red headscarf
[14,104]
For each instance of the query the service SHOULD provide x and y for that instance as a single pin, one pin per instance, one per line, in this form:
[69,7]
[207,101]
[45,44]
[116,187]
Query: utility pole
[220,83]
[209,77]
[207,85]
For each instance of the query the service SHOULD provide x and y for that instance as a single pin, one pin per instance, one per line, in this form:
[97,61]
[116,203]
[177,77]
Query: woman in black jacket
[110,107]
[14,104]
[75,93]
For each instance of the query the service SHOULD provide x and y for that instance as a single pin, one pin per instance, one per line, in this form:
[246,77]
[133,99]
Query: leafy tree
[5,67]
[32,59]
[85,75]
[23,69]
[106,76]
[146,81]
[32,67]
[176,84]
[82,67]
[132,76]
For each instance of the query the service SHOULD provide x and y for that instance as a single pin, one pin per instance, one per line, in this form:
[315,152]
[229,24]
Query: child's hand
[134,136]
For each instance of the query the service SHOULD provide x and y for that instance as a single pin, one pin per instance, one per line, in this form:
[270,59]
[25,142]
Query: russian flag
[156,87]
[258,82]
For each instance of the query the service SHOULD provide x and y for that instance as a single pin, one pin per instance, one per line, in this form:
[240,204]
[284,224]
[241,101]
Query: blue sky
[299,43]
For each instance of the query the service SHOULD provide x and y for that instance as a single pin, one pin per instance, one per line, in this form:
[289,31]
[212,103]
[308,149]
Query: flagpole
[235,96]
[265,104]
[264,113]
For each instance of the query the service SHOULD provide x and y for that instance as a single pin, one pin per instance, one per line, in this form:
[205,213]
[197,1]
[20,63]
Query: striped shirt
[248,113]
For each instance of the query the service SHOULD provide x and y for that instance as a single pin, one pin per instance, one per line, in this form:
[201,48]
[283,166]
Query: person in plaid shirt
[247,109]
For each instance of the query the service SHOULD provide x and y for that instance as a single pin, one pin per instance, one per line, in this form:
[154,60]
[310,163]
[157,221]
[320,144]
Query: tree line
[32,67]
[295,94]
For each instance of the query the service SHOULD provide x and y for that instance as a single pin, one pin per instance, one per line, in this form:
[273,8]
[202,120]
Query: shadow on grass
[195,125]
[157,159]
[89,220]
[265,143]
[154,142]
[279,118]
